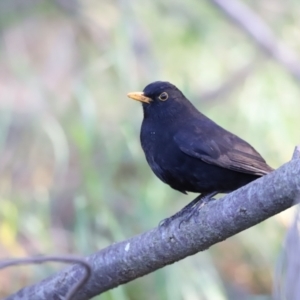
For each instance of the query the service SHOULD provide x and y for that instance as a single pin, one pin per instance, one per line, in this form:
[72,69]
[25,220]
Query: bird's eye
[163,96]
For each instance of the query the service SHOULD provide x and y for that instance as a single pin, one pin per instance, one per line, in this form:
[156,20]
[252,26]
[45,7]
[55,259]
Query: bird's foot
[167,221]
[189,210]
[195,209]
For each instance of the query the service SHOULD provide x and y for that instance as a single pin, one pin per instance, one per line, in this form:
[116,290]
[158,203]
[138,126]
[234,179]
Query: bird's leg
[167,221]
[203,199]
[192,207]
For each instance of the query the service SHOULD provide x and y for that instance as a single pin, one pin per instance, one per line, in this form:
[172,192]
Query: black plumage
[190,152]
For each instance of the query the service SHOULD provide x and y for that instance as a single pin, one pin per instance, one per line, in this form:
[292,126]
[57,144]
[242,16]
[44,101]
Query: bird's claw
[166,222]
[191,211]
[195,209]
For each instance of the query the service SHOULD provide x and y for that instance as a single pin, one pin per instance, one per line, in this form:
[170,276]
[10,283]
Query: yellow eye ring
[163,96]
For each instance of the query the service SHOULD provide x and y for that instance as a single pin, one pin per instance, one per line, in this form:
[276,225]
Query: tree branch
[145,253]
[260,33]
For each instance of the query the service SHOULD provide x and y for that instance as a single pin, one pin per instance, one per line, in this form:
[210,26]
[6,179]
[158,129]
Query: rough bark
[154,249]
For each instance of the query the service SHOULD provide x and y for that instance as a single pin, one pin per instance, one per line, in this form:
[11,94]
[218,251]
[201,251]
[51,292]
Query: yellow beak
[139,96]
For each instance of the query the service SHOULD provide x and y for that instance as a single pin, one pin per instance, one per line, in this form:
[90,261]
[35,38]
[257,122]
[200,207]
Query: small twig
[260,33]
[63,259]
[296,154]
[232,82]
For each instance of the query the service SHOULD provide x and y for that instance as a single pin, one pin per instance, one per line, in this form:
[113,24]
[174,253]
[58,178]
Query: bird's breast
[156,145]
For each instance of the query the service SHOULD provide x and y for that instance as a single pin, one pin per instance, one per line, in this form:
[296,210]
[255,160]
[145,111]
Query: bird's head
[161,99]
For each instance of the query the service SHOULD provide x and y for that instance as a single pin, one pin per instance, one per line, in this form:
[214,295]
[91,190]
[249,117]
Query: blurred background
[73,177]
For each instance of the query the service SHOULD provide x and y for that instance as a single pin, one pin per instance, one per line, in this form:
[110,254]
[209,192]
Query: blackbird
[191,153]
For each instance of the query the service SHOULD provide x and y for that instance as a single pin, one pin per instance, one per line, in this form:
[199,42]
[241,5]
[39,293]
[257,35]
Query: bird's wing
[216,146]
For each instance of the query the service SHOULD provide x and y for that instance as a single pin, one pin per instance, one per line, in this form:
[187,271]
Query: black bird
[190,152]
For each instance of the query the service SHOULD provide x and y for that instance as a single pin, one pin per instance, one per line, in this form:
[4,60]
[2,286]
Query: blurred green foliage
[73,176]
